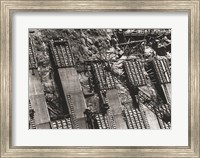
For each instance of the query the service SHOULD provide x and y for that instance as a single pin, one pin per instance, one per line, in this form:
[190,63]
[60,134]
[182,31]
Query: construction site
[99,78]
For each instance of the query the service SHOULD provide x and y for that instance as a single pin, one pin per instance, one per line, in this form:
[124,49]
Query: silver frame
[10,6]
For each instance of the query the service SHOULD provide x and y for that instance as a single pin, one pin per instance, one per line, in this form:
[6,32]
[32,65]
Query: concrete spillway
[38,102]
[116,108]
[71,86]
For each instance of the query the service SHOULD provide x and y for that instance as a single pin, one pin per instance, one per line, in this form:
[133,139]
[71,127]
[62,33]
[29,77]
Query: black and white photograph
[99,78]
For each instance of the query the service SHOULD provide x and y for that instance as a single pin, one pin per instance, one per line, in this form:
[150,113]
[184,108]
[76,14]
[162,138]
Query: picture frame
[8,7]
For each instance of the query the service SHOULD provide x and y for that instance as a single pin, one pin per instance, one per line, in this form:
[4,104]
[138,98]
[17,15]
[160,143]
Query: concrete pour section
[38,101]
[71,86]
[116,108]
[151,118]
[167,91]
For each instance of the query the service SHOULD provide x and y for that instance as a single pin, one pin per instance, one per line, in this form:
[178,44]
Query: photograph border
[9,7]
